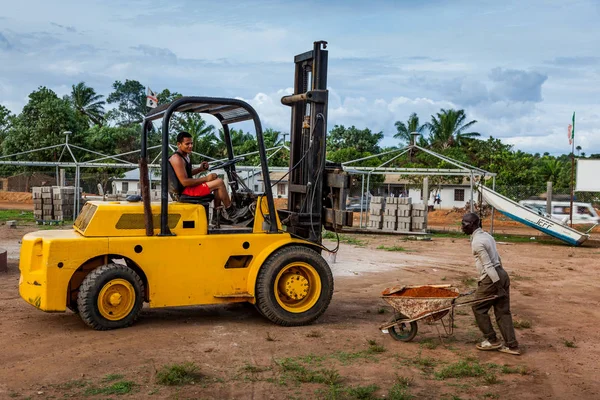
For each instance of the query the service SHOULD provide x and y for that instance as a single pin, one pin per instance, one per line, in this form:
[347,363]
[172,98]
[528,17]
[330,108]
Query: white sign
[587,176]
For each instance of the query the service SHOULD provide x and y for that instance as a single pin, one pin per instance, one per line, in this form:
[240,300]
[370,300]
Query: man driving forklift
[203,186]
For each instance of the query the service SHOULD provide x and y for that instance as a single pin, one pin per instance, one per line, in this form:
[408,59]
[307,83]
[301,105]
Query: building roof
[134,175]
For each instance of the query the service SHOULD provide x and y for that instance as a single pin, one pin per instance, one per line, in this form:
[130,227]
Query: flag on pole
[151,99]
[571,130]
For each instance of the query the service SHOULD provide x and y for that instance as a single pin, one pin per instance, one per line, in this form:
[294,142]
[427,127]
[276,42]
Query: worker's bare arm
[179,168]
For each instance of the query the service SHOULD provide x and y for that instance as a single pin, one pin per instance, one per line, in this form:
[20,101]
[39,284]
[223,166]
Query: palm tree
[448,129]
[88,103]
[406,129]
[551,169]
[203,135]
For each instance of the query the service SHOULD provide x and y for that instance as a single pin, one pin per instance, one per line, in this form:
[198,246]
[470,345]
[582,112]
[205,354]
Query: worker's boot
[235,214]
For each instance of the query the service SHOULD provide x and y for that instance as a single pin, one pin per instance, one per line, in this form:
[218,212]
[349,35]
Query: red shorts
[197,191]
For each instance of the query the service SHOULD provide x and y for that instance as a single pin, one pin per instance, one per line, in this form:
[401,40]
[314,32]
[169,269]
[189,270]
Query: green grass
[16,215]
[570,343]
[363,392]
[392,248]
[461,369]
[399,392]
[381,310]
[426,364]
[343,238]
[120,387]
[314,334]
[430,344]
[303,374]
[178,374]
[112,377]
[77,383]
[374,347]
[522,324]
[522,370]
[254,369]
[469,282]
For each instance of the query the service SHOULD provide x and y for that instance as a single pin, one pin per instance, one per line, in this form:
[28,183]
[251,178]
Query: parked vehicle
[583,213]
[354,204]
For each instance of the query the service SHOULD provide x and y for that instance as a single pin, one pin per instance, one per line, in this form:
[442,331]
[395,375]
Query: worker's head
[185,143]
[470,222]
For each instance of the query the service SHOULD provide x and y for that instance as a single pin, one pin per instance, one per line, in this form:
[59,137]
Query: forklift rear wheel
[110,297]
[294,286]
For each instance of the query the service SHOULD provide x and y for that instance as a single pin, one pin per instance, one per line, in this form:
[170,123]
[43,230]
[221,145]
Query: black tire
[404,332]
[95,283]
[291,261]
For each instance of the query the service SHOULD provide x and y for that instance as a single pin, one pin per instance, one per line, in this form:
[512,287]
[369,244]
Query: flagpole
[572,170]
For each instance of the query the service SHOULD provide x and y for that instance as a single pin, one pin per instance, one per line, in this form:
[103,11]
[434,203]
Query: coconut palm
[448,129]
[551,169]
[406,129]
[88,103]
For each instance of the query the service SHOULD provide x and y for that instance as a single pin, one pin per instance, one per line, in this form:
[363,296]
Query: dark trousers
[501,306]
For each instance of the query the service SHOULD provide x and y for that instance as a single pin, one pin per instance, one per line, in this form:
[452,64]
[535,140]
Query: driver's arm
[179,168]
[203,167]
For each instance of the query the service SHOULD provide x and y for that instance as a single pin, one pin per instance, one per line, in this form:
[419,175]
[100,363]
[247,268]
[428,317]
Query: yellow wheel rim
[297,287]
[116,299]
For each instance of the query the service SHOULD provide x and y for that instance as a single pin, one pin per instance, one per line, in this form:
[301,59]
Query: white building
[130,182]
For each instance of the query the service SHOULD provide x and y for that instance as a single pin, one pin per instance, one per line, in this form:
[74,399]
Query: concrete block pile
[418,217]
[396,214]
[53,203]
[376,208]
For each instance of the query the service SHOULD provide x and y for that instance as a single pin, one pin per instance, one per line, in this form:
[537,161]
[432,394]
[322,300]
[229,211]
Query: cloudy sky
[520,68]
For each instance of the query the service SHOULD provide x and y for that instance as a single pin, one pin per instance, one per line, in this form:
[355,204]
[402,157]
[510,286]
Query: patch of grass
[522,370]
[363,392]
[444,278]
[426,364]
[570,343]
[351,240]
[314,334]
[345,358]
[112,377]
[461,369]
[522,324]
[381,310]
[16,215]
[77,383]
[469,282]
[311,359]
[328,235]
[374,347]
[302,374]
[450,235]
[491,379]
[391,248]
[399,392]
[430,344]
[254,369]
[178,374]
[404,381]
[120,387]
[491,396]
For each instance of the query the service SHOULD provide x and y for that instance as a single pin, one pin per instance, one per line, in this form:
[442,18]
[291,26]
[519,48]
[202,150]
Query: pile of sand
[16,197]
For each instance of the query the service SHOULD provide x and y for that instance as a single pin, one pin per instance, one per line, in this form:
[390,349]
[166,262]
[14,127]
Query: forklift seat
[204,200]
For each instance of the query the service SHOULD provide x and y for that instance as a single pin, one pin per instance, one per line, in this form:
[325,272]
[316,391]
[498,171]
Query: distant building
[24,181]
[130,182]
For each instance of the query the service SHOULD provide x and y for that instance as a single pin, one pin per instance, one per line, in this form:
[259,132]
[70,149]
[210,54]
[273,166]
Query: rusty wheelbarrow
[429,303]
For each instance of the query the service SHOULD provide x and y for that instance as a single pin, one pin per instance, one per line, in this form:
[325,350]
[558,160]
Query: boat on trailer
[537,220]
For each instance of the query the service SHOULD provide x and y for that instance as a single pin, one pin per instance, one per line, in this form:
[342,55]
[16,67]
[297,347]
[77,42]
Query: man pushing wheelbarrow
[435,302]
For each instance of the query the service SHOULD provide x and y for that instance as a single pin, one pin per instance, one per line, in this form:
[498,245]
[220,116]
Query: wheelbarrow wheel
[402,331]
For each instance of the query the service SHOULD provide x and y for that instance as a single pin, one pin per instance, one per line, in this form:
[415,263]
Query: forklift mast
[317,190]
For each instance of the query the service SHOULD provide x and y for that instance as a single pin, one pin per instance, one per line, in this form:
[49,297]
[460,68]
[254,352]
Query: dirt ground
[243,356]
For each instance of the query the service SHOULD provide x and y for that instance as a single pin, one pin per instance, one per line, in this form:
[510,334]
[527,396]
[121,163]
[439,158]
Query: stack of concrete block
[390,216]
[376,209]
[418,217]
[404,214]
[39,200]
[63,198]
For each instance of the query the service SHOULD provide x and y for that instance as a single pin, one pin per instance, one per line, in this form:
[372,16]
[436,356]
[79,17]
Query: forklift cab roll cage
[227,111]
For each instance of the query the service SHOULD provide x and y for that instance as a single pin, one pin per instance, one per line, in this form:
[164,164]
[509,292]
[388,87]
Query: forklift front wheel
[294,286]
[110,297]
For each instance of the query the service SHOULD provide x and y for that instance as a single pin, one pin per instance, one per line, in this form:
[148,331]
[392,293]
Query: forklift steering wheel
[226,164]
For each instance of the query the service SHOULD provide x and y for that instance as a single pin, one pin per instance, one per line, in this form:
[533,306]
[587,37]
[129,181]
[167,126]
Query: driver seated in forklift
[203,186]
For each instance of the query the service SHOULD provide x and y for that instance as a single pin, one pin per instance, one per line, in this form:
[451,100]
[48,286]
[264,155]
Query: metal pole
[572,183]
[362,195]
[493,209]
[368,185]
[471,191]
[425,201]
[549,197]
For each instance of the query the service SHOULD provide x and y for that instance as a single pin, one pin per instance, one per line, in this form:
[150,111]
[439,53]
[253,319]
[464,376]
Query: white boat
[533,219]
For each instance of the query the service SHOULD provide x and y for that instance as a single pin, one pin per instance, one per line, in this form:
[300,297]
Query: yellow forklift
[121,254]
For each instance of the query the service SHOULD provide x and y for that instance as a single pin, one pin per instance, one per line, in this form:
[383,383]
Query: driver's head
[184,142]
[470,223]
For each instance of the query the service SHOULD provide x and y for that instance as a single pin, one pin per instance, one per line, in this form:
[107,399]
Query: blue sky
[520,68]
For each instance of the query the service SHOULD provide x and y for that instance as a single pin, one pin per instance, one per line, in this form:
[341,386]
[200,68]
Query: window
[459,194]
[153,186]
[281,189]
[124,187]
